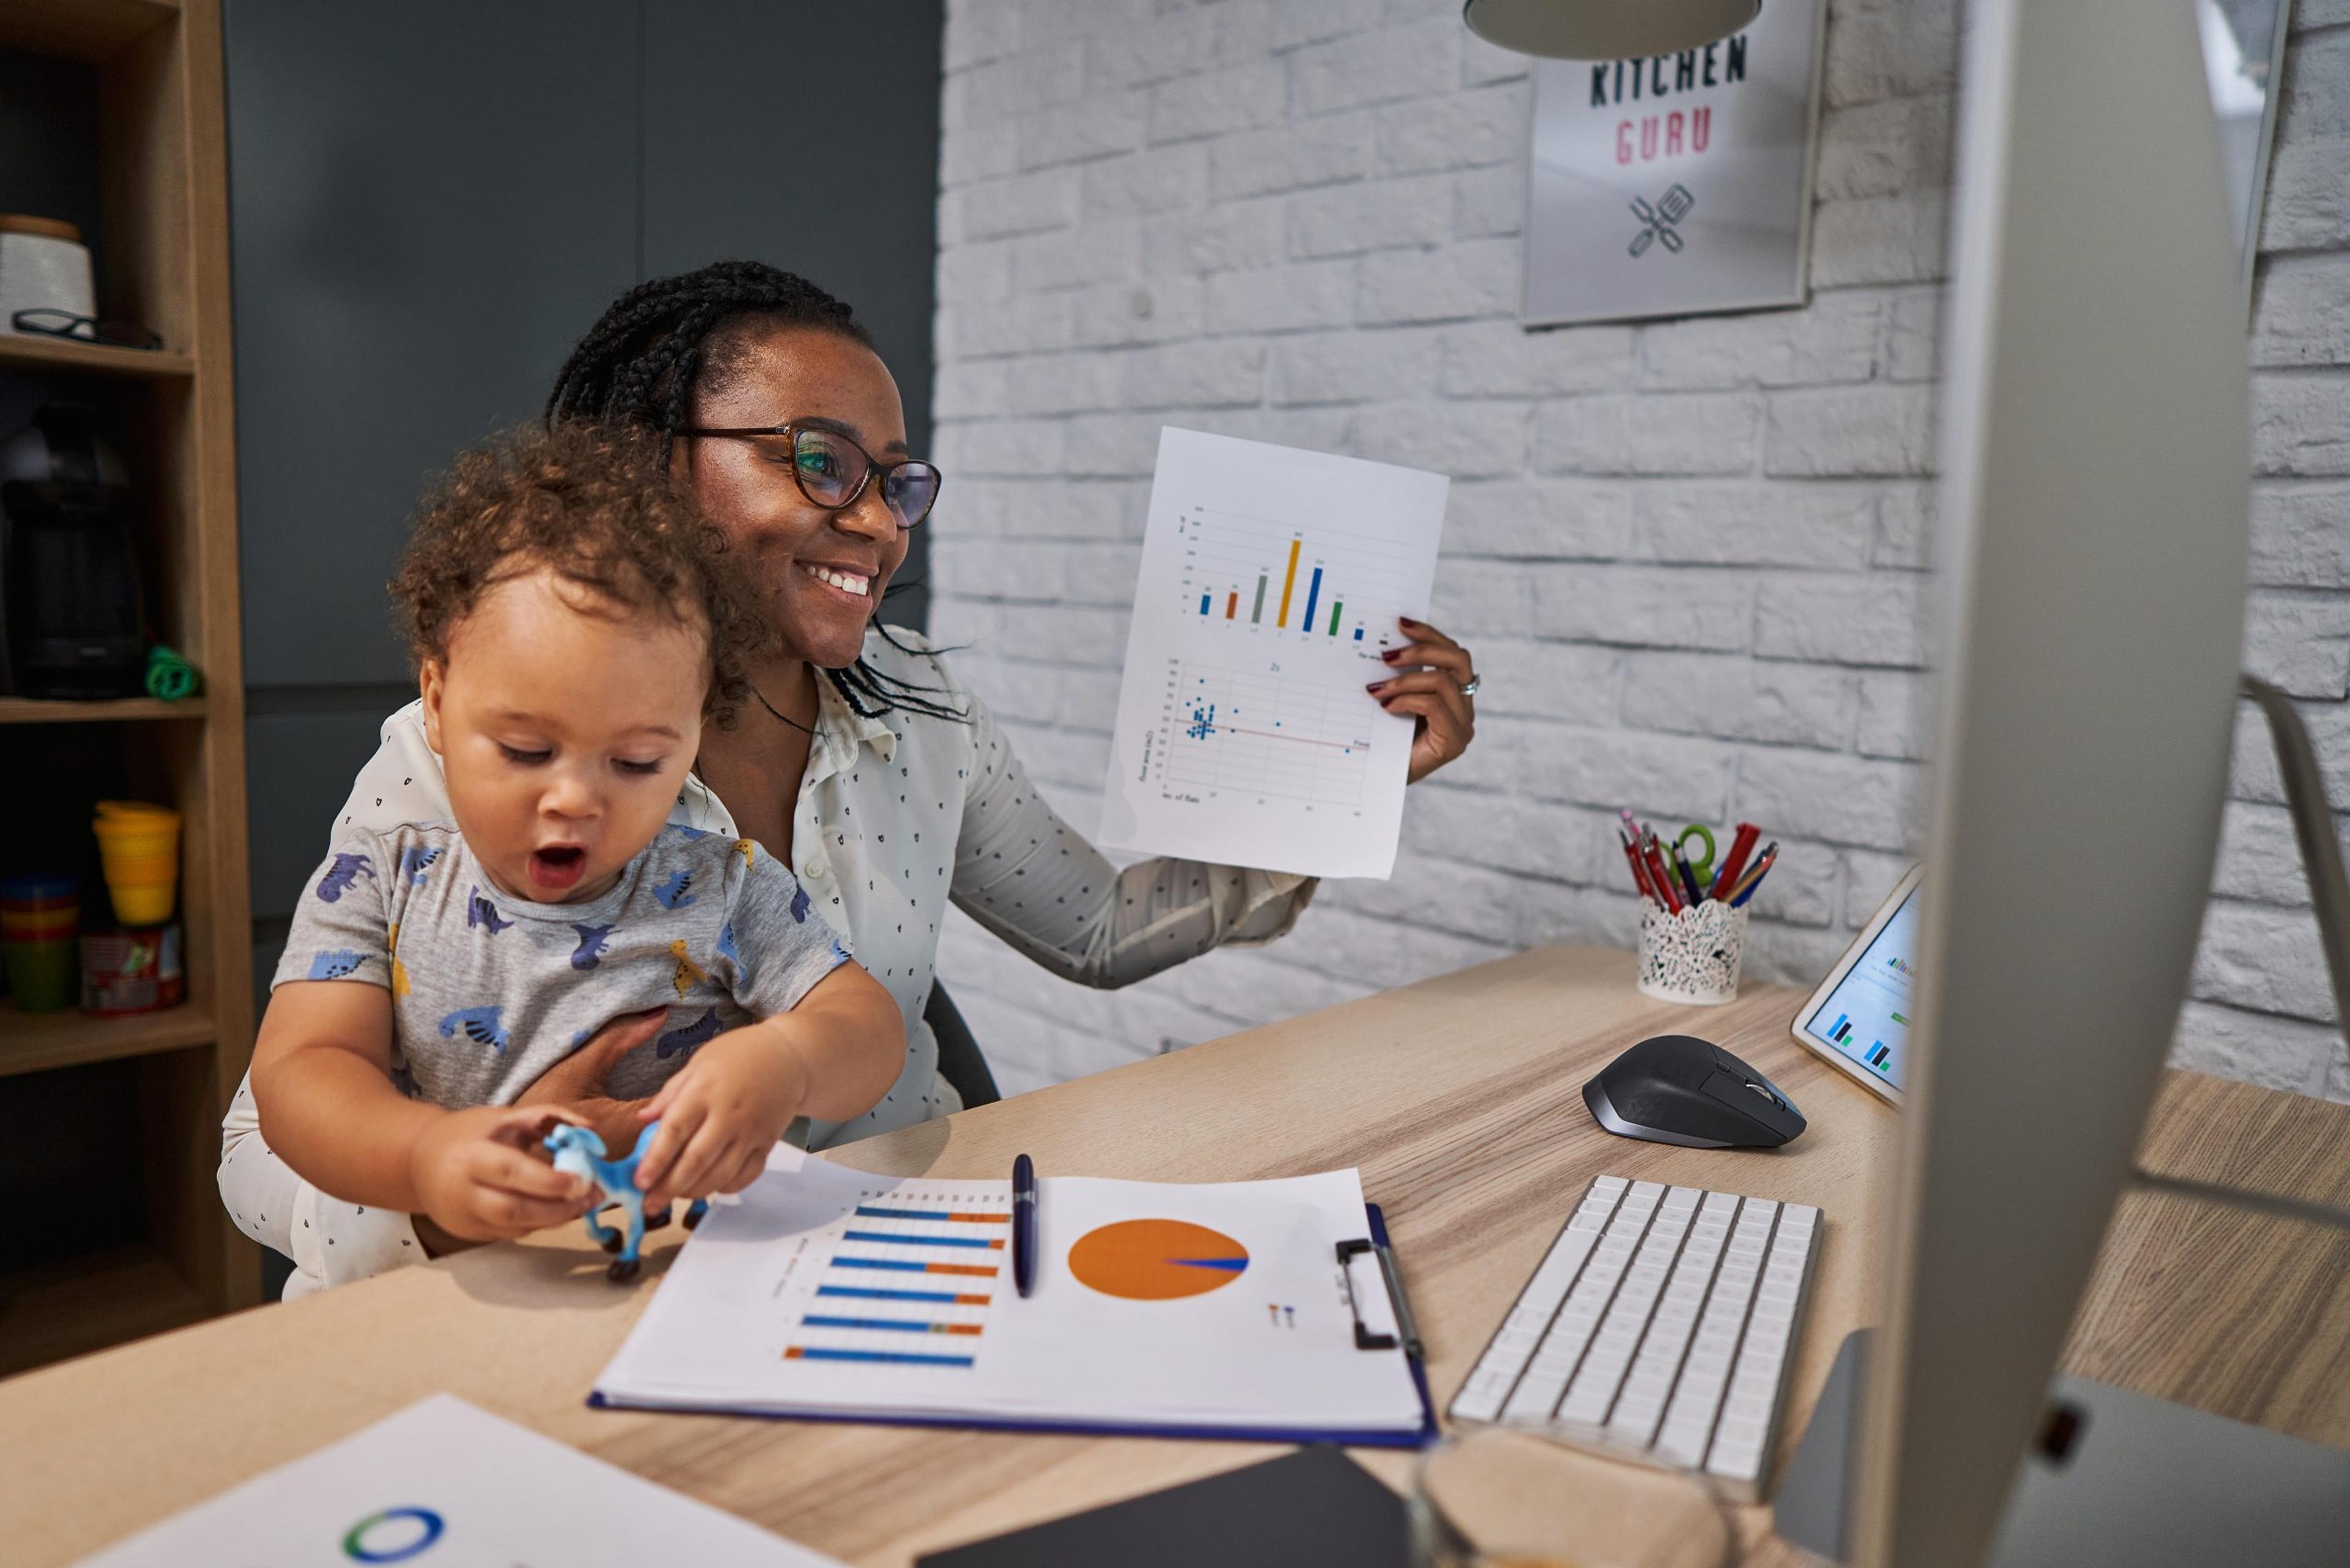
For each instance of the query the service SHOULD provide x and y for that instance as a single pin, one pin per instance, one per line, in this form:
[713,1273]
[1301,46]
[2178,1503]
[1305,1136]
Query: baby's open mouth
[557,866]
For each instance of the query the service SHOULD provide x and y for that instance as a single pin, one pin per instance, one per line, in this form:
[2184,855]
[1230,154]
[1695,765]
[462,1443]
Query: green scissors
[1699,867]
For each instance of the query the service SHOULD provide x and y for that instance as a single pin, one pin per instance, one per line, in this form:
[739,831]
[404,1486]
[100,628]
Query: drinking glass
[1496,1497]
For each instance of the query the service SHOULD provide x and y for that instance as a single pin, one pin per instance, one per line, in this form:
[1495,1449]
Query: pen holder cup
[1692,956]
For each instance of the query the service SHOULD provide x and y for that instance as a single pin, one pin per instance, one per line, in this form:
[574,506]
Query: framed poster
[1676,184]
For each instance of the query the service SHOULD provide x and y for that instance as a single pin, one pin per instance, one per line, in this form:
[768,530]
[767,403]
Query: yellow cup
[138,845]
[136,810]
[144,906]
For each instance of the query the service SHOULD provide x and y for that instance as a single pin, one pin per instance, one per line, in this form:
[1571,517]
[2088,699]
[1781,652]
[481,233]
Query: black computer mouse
[1677,1089]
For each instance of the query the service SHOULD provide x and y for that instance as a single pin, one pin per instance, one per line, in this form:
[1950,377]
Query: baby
[572,630]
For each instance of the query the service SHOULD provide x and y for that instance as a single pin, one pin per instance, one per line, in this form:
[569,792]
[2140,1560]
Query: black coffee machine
[72,624]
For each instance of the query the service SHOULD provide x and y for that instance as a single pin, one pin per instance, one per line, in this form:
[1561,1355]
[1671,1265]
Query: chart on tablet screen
[1271,581]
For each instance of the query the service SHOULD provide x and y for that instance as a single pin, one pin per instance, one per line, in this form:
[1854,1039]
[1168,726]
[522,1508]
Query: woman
[864,763]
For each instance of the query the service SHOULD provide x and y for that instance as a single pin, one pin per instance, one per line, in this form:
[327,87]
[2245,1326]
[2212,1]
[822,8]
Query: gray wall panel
[806,134]
[298,769]
[428,202]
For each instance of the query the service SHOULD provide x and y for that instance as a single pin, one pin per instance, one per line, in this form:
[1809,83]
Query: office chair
[960,1061]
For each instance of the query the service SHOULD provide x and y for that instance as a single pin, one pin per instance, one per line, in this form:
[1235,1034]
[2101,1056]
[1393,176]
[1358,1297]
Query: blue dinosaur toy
[580,1151]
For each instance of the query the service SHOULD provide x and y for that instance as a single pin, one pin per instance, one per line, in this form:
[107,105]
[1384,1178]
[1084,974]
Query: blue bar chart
[906,1287]
[1866,1018]
[1319,583]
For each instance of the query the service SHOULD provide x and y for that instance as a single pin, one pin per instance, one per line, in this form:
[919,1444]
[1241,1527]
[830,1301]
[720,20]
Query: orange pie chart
[1156,1260]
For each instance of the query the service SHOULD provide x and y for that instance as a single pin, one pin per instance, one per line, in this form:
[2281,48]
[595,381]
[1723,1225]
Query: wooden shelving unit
[34,711]
[162,166]
[42,1042]
[53,1311]
[21,348]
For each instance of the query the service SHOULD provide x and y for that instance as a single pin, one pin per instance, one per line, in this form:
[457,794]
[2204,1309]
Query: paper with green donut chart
[1211,1310]
[1269,585]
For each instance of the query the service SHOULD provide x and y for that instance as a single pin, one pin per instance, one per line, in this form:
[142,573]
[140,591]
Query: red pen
[1655,861]
[1639,873]
[1735,862]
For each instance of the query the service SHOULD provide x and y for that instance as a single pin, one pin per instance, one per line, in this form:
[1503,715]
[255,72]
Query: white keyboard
[1663,1322]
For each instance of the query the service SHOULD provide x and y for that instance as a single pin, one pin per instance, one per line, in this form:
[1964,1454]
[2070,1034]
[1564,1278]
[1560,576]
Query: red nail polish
[1375,685]
[1406,621]
[1392,654]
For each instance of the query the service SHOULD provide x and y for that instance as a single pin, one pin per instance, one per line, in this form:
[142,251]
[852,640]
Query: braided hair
[665,340]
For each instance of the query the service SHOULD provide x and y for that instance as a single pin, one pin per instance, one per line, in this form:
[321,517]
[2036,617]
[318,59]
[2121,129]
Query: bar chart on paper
[1290,587]
[1271,583]
[904,1282]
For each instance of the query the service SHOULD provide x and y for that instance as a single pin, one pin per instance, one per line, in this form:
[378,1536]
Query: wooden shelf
[161,189]
[53,1311]
[31,351]
[37,710]
[37,1042]
[81,29]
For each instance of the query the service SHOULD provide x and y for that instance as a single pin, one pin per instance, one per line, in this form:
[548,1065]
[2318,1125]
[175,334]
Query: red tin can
[135,970]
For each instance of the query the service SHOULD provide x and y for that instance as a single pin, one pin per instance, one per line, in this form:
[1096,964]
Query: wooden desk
[1459,1097]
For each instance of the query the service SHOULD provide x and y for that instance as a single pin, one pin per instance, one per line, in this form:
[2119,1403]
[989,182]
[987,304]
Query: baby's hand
[722,1115]
[478,1175]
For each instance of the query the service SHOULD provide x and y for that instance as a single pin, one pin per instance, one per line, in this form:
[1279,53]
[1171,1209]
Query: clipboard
[1357,1257]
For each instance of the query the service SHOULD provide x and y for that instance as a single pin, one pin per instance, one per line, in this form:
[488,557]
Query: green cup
[39,940]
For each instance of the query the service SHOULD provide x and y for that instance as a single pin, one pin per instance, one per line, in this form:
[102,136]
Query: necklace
[780,716]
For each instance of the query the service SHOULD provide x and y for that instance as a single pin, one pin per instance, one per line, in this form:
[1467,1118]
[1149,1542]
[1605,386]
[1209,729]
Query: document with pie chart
[1209,1310]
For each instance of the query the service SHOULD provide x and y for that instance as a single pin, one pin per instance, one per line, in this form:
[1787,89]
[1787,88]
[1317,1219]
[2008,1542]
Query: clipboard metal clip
[1364,1338]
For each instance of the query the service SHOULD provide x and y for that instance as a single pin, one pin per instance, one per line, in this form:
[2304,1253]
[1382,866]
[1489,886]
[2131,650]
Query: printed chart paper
[1271,582]
[830,1292]
[445,1485]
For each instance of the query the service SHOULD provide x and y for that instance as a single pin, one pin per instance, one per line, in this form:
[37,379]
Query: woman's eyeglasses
[53,323]
[833,471]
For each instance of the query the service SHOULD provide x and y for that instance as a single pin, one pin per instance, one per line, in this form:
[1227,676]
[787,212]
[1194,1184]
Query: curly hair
[667,339]
[591,502]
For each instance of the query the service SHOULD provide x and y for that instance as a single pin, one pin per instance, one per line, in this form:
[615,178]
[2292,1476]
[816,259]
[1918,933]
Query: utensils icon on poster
[1657,220]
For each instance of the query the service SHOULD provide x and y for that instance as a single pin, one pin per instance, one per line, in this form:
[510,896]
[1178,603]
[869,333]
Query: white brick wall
[1297,220]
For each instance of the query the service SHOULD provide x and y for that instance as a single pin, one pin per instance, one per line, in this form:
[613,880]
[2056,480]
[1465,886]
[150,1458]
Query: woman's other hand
[1432,681]
[576,1084]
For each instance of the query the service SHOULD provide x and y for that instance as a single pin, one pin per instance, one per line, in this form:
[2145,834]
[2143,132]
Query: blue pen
[1023,1224]
[1753,880]
[1689,877]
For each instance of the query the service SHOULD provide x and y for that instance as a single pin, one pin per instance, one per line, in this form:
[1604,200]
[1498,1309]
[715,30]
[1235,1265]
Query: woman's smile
[852,584]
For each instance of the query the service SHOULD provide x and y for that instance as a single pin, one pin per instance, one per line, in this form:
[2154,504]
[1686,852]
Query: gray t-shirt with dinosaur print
[488,992]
